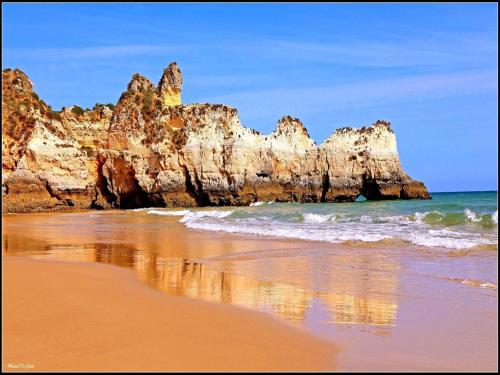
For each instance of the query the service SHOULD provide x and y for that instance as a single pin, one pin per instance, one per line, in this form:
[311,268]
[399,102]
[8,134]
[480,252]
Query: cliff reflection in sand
[368,300]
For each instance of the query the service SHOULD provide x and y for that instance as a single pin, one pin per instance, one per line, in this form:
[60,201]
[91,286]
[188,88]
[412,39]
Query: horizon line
[464,191]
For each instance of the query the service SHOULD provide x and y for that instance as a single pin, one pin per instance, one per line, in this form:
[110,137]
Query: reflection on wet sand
[190,278]
[445,308]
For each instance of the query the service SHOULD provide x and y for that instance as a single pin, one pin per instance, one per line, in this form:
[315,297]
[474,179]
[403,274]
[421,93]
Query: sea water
[450,220]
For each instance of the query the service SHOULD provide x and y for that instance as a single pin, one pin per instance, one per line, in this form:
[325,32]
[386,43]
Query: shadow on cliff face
[138,198]
[124,191]
[201,198]
[373,189]
[104,197]
[370,189]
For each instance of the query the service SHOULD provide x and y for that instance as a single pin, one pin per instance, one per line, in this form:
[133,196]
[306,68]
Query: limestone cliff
[47,160]
[153,151]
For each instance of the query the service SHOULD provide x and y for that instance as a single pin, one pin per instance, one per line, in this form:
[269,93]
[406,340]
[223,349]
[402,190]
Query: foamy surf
[278,230]
[168,213]
[316,218]
[472,216]
[468,216]
[340,232]
[196,215]
[448,240]
[256,204]
[446,224]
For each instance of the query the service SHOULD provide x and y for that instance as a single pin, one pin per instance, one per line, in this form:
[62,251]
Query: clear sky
[432,69]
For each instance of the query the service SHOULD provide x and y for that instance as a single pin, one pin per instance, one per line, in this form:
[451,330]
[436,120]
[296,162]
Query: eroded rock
[170,85]
[153,151]
[46,159]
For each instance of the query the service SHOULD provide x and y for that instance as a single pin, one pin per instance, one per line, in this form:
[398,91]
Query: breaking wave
[448,225]
[195,215]
[455,218]
[341,233]
[287,231]
[256,204]
[168,213]
[317,218]
[446,239]
[472,216]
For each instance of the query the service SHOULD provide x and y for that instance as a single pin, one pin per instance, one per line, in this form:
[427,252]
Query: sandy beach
[131,290]
[69,316]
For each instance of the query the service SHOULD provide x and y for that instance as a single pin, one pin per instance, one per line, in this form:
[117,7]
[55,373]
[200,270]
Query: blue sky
[432,69]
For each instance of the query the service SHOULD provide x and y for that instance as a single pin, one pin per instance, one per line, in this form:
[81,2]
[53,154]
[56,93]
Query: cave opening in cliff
[370,189]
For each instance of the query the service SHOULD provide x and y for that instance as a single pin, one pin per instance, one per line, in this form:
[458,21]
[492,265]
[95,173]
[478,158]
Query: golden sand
[68,316]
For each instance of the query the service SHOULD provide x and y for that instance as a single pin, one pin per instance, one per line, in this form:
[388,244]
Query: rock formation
[153,151]
[48,157]
[170,85]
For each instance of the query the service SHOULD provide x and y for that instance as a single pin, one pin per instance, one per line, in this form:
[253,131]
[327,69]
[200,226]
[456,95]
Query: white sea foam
[256,204]
[419,216]
[168,213]
[445,230]
[316,227]
[448,238]
[472,216]
[196,215]
[366,219]
[317,218]
[423,239]
[396,219]
[287,231]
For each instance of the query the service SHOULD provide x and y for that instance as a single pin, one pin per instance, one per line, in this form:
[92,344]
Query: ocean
[450,220]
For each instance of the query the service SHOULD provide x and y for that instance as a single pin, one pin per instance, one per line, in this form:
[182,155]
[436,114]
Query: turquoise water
[450,220]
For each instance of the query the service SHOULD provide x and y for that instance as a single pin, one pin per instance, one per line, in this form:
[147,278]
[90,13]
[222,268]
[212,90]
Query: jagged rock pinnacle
[170,85]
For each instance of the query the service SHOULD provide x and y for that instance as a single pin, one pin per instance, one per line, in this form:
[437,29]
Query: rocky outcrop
[153,151]
[365,162]
[47,160]
[170,85]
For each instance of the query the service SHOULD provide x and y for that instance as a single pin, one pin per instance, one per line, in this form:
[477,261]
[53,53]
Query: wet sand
[69,316]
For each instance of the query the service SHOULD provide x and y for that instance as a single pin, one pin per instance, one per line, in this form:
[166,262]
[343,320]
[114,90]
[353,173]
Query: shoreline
[79,316]
[69,209]
[374,301]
